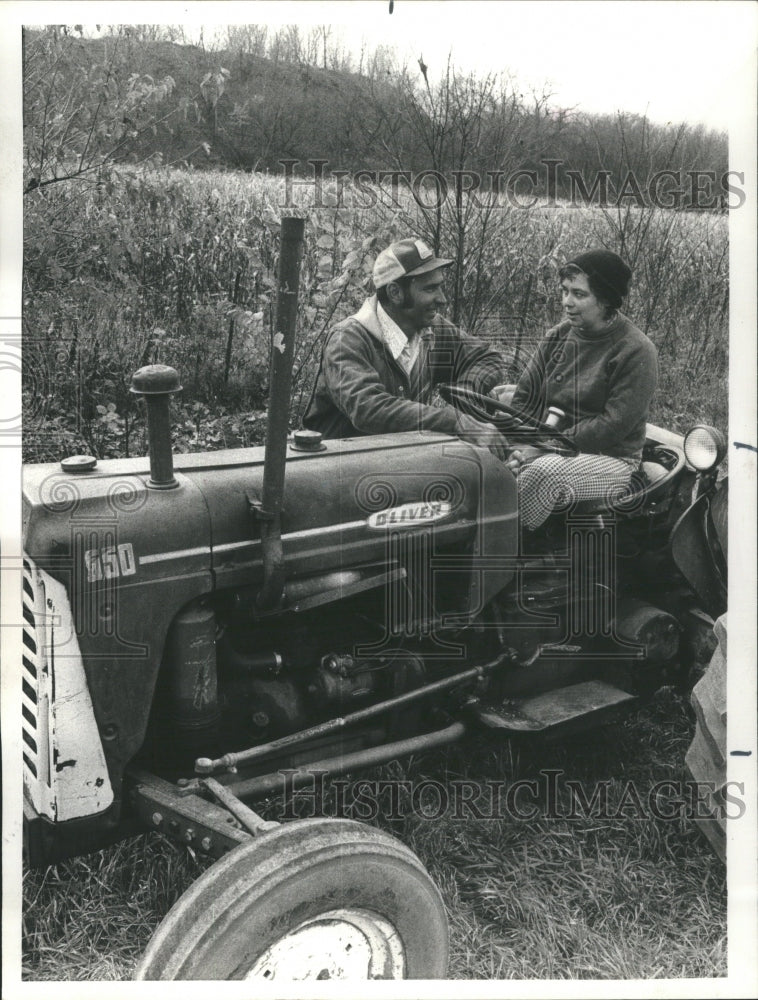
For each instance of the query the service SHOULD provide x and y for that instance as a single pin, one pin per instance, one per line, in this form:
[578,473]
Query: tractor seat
[648,484]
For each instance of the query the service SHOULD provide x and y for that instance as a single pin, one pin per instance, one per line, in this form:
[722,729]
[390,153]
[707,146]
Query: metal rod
[249,819]
[268,784]
[282,354]
[205,766]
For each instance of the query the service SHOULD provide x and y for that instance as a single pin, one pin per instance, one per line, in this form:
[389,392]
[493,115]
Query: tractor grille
[57,718]
[34,695]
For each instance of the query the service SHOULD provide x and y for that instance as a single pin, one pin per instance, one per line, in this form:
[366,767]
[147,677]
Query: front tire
[314,899]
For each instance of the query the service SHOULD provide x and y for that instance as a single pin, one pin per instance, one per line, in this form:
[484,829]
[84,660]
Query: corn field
[178,267]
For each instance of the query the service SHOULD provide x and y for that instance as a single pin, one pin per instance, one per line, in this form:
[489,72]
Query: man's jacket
[361,389]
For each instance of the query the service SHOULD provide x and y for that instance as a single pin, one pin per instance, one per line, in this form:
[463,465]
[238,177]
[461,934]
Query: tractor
[202,631]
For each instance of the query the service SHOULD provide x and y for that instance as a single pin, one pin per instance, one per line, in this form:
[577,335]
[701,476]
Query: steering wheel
[505,418]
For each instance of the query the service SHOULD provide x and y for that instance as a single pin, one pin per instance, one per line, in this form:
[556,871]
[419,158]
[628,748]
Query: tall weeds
[177,267]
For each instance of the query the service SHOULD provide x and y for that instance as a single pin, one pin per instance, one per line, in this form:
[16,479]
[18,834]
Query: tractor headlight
[704,447]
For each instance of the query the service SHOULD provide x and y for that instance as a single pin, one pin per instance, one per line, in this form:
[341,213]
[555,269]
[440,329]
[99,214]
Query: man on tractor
[379,368]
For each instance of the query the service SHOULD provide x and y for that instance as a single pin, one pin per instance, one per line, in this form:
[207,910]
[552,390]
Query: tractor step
[577,706]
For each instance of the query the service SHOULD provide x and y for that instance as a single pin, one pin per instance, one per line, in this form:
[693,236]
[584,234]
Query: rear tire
[706,757]
[313,899]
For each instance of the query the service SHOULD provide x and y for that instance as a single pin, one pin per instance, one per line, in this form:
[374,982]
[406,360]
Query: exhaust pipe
[158,383]
[269,508]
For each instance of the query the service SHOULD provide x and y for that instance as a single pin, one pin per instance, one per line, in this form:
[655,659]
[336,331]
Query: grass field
[565,898]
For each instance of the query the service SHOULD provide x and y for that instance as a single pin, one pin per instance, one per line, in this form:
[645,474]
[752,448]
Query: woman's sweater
[603,383]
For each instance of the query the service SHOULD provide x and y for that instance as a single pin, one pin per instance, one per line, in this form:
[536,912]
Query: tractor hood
[341,504]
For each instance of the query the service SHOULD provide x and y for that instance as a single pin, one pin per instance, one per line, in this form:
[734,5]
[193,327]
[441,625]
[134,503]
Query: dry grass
[583,898]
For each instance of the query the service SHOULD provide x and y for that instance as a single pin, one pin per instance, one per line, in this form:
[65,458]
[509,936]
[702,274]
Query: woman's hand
[522,456]
[482,434]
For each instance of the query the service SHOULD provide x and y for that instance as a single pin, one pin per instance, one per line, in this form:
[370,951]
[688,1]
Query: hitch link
[250,819]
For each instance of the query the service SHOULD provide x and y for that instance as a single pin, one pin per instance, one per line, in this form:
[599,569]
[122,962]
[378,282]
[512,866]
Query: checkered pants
[555,482]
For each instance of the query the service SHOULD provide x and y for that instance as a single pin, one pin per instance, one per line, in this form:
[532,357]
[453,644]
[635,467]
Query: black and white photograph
[378,435]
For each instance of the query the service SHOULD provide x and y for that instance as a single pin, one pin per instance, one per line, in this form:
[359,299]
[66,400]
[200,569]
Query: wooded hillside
[256,97]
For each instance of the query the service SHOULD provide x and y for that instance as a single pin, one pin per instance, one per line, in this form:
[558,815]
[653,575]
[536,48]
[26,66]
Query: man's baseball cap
[404,259]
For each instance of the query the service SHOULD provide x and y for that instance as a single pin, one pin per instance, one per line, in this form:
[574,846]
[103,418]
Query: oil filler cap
[307,441]
[78,463]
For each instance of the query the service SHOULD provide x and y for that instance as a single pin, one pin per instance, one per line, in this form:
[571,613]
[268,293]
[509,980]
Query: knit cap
[611,274]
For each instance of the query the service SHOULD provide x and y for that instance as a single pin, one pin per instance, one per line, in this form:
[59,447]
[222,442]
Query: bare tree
[84,106]
[453,132]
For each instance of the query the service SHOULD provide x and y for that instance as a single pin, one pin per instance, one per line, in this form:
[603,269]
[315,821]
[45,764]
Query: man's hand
[483,434]
[503,393]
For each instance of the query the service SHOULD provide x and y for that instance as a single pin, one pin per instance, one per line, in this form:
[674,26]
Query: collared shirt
[402,349]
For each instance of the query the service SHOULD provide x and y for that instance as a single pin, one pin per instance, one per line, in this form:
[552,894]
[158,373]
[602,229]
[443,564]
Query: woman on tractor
[600,370]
